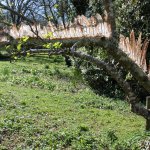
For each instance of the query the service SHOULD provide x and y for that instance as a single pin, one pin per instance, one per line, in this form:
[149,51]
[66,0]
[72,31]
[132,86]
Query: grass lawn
[44,106]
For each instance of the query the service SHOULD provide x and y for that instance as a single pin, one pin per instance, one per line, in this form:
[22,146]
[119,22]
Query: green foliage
[47,45]
[49,35]
[7,47]
[5,71]
[22,41]
[46,66]
[137,14]
[102,84]
[57,45]
[15,48]
[56,6]
[88,7]
[19,46]
[95,6]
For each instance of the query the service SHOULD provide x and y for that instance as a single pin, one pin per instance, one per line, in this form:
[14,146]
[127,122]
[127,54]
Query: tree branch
[136,107]
[16,13]
[111,46]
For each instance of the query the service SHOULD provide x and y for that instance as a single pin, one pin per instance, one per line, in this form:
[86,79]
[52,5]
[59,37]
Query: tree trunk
[136,107]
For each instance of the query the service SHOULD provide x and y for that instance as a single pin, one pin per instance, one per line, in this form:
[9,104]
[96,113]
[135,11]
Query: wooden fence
[82,27]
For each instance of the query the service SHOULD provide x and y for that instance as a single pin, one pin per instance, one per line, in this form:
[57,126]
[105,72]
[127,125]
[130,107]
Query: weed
[25,70]
[47,66]
[83,128]
[6,71]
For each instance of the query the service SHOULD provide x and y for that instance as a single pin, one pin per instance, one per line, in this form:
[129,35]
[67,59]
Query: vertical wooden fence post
[148,107]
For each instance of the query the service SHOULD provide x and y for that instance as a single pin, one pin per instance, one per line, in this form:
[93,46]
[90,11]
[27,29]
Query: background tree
[138,15]
[20,6]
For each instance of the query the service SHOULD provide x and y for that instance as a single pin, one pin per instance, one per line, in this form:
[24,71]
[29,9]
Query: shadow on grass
[4,57]
[44,59]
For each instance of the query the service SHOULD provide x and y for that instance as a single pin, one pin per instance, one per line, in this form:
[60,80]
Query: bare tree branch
[15,12]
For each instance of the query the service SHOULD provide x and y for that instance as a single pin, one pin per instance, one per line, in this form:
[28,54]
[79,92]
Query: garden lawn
[43,105]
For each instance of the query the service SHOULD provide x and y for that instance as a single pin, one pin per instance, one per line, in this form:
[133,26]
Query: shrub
[101,83]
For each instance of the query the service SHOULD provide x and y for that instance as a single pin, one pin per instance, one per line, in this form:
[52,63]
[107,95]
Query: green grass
[44,106]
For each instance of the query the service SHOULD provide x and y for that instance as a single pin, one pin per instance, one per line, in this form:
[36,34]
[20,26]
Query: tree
[14,12]
[111,45]
[137,13]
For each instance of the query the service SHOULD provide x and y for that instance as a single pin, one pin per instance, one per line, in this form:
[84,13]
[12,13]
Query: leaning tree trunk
[136,107]
[112,48]
[109,40]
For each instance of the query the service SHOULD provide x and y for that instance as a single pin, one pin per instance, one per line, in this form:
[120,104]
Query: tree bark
[111,46]
[110,17]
